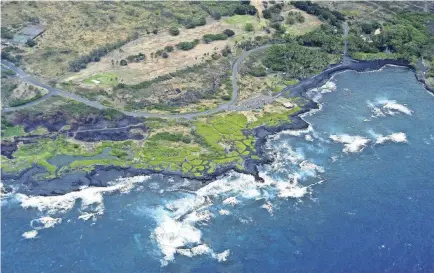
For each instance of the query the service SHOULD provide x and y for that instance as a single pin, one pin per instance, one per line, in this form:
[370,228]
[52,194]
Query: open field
[153,67]
[76,28]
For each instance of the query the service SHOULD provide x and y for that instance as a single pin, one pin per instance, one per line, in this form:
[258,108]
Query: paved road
[58,92]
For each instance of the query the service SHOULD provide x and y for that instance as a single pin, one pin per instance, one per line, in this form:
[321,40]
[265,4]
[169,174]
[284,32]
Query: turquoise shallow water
[353,193]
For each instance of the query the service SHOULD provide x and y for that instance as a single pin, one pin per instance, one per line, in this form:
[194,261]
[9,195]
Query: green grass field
[103,79]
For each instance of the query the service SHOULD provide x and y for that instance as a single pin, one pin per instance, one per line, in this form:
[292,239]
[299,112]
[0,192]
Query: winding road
[58,92]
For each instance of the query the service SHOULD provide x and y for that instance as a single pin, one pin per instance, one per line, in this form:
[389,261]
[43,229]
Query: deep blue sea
[353,193]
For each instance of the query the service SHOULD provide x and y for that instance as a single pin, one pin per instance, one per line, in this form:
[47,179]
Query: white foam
[388,107]
[223,256]
[327,87]
[172,234]
[352,144]
[91,198]
[309,166]
[30,234]
[201,250]
[45,222]
[395,137]
[268,206]
[393,106]
[308,138]
[224,212]
[231,201]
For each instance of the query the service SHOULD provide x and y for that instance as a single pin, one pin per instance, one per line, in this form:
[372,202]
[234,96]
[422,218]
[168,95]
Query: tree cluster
[295,60]
[228,8]
[324,37]
[333,17]
[96,54]
[294,17]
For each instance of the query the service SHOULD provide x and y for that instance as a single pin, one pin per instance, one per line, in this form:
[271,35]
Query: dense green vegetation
[323,37]
[228,8]
[295,60]
[406,35]
[208,38]
[334,18]
[187,45]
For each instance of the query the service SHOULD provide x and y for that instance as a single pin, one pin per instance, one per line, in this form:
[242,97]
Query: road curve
[95,104]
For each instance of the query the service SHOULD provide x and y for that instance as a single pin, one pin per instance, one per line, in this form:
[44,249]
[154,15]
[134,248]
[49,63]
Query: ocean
[352,193]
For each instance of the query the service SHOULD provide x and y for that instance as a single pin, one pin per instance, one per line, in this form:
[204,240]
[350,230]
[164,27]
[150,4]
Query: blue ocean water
[353,193]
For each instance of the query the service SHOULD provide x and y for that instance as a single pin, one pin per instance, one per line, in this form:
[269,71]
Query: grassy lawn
[241,20]
[103,79]
[12,131]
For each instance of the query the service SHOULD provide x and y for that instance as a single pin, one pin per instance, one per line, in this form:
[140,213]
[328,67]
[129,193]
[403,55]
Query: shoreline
[101,175]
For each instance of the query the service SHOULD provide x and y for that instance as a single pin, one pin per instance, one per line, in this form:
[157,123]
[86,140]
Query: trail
[95,104]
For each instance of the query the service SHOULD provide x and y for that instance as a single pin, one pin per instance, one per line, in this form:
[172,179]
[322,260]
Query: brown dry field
[152,68]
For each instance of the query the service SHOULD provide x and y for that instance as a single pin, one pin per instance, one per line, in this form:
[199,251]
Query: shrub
[207,38]
[226,51]
[168,48]
[187,45]
[174,31]
[6,33]
[165,55]
[95,55]
[155,31]
[30,43]
[248,27]
[229,32]
[290,20]
[258,71]
[192,23]
[123,62]
[216,15]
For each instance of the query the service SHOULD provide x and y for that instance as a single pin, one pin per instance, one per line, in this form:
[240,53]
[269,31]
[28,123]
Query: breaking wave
[92,204]
[382,108]
[352,144]
[395,137]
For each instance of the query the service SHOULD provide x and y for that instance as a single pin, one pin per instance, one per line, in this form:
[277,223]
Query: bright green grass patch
[13,131]
[291,82]
[274,119]
[102,79]
[242,20]
[40,131]
[278,88]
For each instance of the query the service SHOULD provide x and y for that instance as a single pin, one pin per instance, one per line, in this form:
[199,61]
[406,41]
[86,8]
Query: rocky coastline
[23,182]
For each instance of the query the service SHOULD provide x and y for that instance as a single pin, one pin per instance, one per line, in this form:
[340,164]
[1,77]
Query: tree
[165,55]
[31,43]
[123,62]
[248,27]
[216,15]
[226,51]
[174,31]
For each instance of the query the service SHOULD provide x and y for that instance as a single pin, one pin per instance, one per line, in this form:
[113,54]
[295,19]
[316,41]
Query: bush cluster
[96,54]
[188,45]
[334,17]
